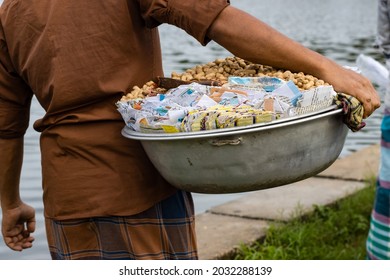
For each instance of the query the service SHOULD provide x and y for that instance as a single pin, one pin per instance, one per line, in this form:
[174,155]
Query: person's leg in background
[378,241]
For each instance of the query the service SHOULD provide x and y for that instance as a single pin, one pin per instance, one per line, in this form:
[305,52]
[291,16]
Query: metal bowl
[242,159]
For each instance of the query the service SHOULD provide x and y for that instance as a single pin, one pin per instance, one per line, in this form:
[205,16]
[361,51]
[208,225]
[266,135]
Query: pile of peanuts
[148,89]
[221,69]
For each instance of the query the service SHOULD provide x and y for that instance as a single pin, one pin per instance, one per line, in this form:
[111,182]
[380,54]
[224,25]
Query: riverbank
[224,228]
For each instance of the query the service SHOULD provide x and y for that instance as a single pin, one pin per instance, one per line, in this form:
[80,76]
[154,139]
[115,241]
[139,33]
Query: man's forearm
[11,155]
[253,40]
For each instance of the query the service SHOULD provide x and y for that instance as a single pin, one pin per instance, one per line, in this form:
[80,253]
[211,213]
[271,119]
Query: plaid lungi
[378,241]
[165,231]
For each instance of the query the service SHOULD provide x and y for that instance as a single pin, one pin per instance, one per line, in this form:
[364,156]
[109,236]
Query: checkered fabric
[163,232]
[353,111]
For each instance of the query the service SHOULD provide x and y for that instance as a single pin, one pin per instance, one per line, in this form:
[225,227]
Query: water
[339,29]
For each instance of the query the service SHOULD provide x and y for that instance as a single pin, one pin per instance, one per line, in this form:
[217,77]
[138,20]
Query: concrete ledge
[222,229]
[286,202]
[358,166]
[218,235]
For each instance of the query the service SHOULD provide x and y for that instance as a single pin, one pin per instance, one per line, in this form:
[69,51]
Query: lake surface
[339,29]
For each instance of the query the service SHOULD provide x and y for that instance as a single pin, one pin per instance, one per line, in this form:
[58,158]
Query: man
[103,198]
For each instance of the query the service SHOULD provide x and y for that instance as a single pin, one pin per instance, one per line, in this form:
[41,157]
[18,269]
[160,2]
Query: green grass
[336,232]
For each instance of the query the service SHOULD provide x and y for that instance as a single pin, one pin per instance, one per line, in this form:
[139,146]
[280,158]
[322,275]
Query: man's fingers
[25,234]
[31,225]
[19,243]
[21,240]
[13,243]
[370,106]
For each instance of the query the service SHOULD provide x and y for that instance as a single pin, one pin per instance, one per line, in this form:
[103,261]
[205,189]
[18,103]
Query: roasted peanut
[221,69]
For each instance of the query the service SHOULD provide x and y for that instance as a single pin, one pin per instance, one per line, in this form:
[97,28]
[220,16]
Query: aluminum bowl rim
[131,134]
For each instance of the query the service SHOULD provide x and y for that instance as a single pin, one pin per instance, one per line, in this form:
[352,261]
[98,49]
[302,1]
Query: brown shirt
[78,58]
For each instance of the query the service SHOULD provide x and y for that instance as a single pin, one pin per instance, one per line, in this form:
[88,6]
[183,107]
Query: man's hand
[17,225]
[347,81]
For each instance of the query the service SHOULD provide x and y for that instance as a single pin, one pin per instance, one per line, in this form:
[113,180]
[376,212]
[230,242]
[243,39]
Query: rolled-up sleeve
[15,98]
[193,16]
